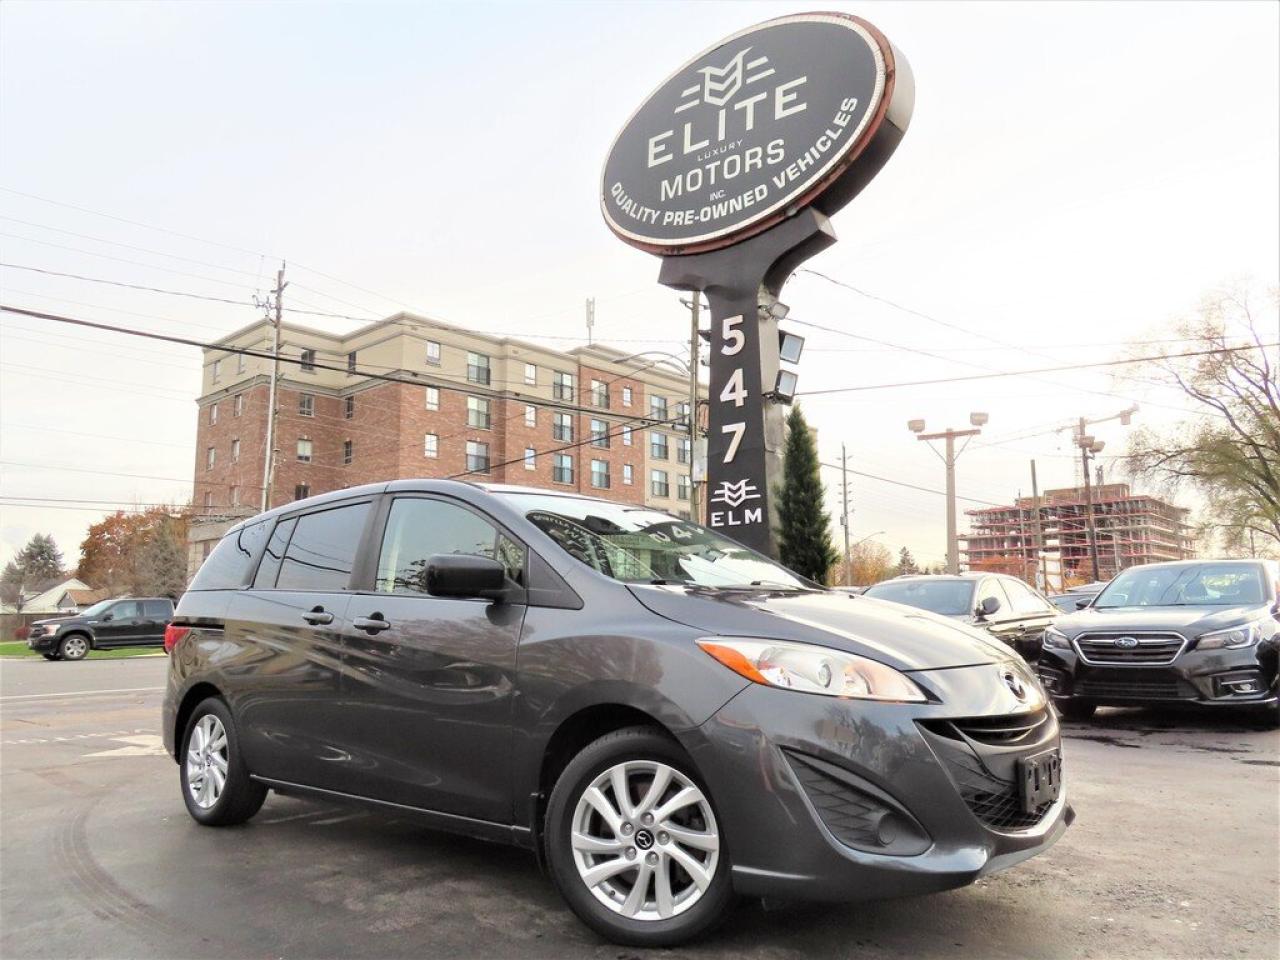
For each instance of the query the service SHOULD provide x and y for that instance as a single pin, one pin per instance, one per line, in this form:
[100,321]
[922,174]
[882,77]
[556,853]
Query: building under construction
[1048,542]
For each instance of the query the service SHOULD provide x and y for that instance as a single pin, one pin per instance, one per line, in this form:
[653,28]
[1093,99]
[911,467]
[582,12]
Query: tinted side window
[271,557]
[322,549]
[157,609]
[1024,600]
[417,529]
[227,567]
[126,610]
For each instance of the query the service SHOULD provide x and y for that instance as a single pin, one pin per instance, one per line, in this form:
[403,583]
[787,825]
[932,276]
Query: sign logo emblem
[721,84]
[1015,685]
[735,494]
[1126,643]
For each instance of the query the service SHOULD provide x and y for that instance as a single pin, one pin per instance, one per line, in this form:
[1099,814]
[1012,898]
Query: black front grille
[1127,648]
[1134,688]
[995,802]
[1006,730]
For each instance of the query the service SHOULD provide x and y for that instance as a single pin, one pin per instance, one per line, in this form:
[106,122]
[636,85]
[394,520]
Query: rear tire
[1076,709]
[74,647]
[216,785]
[660,852]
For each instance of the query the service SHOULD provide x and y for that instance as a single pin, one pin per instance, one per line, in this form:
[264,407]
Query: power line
[1023,373]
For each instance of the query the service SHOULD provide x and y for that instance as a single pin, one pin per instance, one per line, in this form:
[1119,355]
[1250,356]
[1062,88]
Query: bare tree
[1231,455]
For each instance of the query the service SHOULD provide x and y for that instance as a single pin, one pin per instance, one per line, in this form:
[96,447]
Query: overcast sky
[1075,177]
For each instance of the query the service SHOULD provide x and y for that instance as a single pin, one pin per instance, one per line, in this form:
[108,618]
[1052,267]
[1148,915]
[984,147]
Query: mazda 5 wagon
[667,719]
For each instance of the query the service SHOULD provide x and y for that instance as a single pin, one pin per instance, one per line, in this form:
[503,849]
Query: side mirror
[1081,604]
[464,576]
[988,606]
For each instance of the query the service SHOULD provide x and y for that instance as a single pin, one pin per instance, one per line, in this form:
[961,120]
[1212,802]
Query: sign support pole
[745,423]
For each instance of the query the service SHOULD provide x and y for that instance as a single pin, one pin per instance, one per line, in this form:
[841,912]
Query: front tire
[1076,709]
[216,785]
[74,647]
[633,842]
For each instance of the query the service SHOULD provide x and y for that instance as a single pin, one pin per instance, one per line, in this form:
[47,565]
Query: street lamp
[1090,447]
[977,421]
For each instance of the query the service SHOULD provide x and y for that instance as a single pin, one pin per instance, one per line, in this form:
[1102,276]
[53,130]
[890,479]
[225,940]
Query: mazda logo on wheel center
[644,839]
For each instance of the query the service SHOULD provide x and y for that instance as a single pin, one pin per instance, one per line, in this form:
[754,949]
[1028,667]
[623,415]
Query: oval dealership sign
[770,120]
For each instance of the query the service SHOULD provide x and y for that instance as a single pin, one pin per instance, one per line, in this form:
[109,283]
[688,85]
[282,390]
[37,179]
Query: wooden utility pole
[1086,446]
[1039,530]
[949,458]
[269,460]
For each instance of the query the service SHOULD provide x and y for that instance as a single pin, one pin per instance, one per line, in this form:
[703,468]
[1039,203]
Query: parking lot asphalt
[1176,853]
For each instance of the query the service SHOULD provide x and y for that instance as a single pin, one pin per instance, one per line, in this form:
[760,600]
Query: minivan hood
[1189,621]
[903,637]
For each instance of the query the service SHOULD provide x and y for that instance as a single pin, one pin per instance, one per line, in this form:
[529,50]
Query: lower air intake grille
[995,802]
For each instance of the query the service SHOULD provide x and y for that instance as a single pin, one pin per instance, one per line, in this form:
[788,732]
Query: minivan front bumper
[838,799]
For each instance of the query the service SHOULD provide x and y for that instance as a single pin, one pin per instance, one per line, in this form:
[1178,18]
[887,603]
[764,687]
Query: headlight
[1243,636]
[1053,637]
[812,669]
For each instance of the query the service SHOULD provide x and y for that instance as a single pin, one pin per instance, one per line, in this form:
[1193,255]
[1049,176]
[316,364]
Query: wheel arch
[198,693]
[78,632]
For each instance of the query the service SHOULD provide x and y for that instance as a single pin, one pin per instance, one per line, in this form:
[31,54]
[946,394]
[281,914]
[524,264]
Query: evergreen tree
[804,528]
[38,561]
[906,562]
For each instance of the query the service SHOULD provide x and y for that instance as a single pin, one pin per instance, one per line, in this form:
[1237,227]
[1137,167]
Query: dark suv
[1197,631]
[666,717]
[122,622]
[1002,605]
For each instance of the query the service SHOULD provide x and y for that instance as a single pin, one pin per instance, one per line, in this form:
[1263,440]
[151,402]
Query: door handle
[317,616]
[371,624]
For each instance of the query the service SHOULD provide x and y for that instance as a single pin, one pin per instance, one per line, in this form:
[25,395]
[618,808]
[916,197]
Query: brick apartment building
[1132,529]
[490,407]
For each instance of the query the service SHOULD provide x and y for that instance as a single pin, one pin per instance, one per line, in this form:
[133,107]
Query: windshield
[639,545]
[951,598]
[98,608]
[1194,585]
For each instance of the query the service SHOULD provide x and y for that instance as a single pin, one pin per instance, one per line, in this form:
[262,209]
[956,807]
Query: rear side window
[417,529]
[128,610]
[227,567]
[269,569]
[157,609]
[322,550]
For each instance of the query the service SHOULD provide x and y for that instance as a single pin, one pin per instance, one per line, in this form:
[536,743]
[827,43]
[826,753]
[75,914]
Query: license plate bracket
[1039,779]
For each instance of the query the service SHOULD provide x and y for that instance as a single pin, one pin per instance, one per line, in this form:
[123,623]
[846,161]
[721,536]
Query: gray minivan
[668,719]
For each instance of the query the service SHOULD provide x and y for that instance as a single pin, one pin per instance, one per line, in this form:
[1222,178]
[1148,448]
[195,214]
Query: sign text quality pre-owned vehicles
[742,133]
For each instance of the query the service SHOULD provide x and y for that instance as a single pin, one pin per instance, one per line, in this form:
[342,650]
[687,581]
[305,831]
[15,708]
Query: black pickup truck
[122,622]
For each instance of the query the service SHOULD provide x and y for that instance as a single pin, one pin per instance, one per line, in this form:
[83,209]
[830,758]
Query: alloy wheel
[644,840]
[73,648]
[207,761]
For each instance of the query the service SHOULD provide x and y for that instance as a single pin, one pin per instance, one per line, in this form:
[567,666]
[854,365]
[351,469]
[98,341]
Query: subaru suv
[666,718]
[1196,631]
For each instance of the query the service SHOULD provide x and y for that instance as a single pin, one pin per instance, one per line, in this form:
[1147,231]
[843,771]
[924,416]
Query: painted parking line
[79,693]
[71,738]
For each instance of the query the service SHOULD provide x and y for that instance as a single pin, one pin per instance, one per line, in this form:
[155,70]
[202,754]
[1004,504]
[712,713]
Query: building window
[235,495]
[658,445]
[600,474]
[210,456]
[600,394]
[478,412]
[235,450]
[682,411]
[304,451]
[213,414]
[658,408]
[208,500]
[217,370]
[348,451]
[349,407]
[433,398]
[628,474]
[600,434]
[306,405]
[302,491]
[237,405]
[682,487]
[684,450]
[478,368]
[562,468]
[477,457]
[658,484]
[351,362]
[530,416]
[562,427]
[626,436]
[433,353]
[240,361]
[430,446]
[626,396]
[308,361]
[530,458]
[531,374]
[562,385]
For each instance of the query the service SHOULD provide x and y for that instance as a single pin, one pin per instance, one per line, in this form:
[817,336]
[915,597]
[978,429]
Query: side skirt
[450,822]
